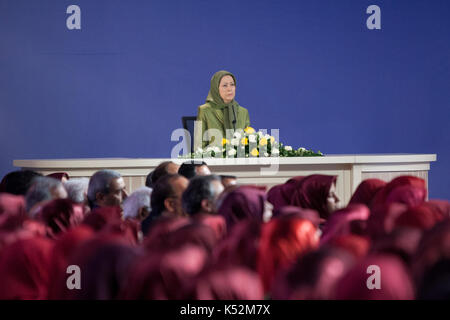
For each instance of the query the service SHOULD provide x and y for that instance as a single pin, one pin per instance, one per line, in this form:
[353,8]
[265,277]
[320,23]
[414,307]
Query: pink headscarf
[339,222]
[366,190]
[312,193]
[232,283]
[245,202]
[25,269]
[280,195]
[395,281]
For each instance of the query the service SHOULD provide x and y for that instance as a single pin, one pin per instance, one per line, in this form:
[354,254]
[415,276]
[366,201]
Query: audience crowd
[191,234]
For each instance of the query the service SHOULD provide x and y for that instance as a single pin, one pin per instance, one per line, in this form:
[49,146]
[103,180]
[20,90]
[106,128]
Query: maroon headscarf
[104,262]
[65,245]
[240,247]
[60,215]
[216,222]
[25,269]
[395,281]
[312,193]
[382,218]
[357,245]
[383,194]
[434,246]
[280,195]
[193,233]
[292,211]
[59,175]
[156,237]
[366,190]
[339,222]
[165,275]
[243,203]
[442,206]
[313,276]
[231,283]
[423,217]
[409,195]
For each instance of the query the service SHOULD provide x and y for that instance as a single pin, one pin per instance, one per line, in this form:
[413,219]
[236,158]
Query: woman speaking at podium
[221,111]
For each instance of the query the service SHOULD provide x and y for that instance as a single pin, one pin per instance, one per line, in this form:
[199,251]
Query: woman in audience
[366,191]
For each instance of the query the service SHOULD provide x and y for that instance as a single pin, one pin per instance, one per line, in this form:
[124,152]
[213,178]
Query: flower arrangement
[249,143]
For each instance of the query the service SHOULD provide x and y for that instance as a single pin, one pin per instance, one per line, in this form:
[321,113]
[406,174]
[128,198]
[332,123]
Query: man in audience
[18,182]
[228,181]
[201,195]
[106,188]
[166,199]
[166,167]
[192,168]
[42,190]
[137,205]
[77,189]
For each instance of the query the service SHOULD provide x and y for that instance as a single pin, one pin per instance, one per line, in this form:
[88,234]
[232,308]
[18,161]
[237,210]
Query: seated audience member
[292,211]
[164,168]
[148,180]
[192,168]
[137,204]
[316,192]
[42,190]
[59,215]
[77,190]
[282,242]
[25,269]
[166,199]
[228,181]
[61,176]
[280,195]
[394,282]
[106,188]
[18,182]
[201,195]
[245,202]
[228,283]
[366,191]
[313,276]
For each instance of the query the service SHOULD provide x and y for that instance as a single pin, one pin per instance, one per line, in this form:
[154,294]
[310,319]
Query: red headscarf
[312,193]
[357,245]
[232,283]
[409,195]
[282,242]
[25,269]
[395,281]
[245,202]
[280,195]
[339,222]
[366,190]
[382,218]
[423,216]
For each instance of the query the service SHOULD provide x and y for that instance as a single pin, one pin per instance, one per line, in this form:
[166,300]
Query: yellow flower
[272,139]
[244,141]
[249,130]
[263,142]
[254,152]
[225,141]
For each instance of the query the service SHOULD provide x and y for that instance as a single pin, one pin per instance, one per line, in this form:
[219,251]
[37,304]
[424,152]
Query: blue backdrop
[119,86]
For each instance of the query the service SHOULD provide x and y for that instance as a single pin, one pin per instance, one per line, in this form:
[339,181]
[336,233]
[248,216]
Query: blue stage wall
[119,86]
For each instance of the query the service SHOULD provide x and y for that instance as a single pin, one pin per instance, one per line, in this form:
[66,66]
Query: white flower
[288,148]
[231,152]
[266,154]
[235,142]
[275,151]
[217,150]
[252,138]
[260,134]
[237,135]
[302,149]
[199,150]
[267,136]
[209,149]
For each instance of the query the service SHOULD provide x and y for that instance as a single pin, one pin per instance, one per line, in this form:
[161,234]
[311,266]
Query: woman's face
[227,89]
[332,199]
